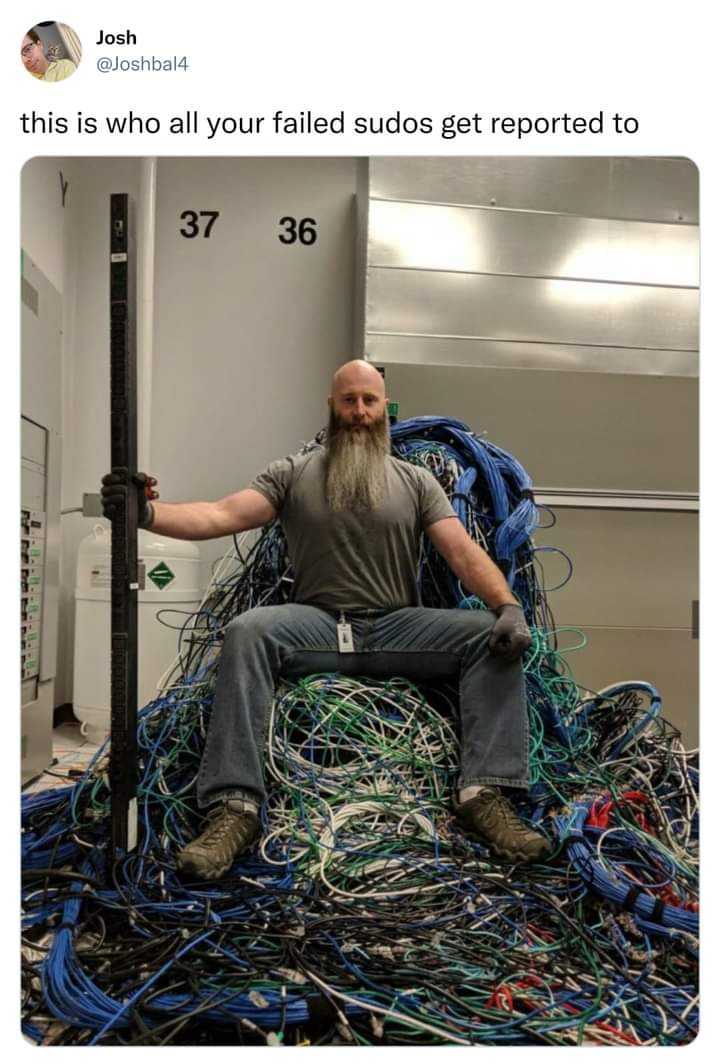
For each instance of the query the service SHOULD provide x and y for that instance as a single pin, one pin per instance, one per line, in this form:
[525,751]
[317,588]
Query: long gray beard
[355,473]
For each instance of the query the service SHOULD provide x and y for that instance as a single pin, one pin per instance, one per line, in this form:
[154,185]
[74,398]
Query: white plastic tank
[171,581]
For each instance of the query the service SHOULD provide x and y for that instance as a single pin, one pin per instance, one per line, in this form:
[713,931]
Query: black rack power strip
[124,579]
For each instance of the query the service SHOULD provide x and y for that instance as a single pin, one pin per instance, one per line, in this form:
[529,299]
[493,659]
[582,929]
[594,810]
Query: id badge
[345,637]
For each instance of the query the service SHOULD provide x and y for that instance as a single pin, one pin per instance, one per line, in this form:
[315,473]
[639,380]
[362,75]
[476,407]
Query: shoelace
[502,812]
[222,825]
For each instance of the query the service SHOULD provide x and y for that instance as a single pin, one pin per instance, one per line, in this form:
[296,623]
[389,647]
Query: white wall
[45,226]
[247,331]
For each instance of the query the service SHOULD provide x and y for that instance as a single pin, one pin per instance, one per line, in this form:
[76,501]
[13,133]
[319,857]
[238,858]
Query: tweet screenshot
[355,359]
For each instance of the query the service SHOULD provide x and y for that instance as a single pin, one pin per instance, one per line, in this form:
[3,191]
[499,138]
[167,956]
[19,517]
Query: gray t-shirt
[346,561]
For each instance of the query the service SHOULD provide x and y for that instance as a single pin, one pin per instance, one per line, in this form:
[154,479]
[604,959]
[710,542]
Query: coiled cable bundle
[365,916]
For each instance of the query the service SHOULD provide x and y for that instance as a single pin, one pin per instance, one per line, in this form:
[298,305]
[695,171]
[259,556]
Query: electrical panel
[33,555]
[41,458]
[32,561]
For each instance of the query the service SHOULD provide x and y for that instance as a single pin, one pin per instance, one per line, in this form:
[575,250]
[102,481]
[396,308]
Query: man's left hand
[510,636]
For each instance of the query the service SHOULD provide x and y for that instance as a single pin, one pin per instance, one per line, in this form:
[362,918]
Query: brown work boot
[230,832]
[492,820]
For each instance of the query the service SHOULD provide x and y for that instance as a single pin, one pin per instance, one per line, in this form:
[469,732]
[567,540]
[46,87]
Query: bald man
[353,516]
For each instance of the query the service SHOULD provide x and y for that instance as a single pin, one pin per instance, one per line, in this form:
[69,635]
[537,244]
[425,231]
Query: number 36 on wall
[305,230]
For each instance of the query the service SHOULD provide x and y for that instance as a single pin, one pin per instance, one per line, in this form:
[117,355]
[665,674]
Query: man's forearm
[480,575]
[186,520]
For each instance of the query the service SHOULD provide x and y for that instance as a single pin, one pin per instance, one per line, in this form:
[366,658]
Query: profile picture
[51,51]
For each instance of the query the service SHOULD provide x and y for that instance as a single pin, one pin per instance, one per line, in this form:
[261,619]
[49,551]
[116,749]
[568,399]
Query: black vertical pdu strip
[123,456]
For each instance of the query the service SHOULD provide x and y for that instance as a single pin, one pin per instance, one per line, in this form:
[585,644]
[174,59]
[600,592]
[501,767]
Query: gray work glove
[113,492]
[510,636]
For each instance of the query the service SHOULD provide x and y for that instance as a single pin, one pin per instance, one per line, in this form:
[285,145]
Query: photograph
[359,597]
[51,51]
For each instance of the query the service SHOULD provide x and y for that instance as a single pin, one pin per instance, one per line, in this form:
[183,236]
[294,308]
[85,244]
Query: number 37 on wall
[191,229]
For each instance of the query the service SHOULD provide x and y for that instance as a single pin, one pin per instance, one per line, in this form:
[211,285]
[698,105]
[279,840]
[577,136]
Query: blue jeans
[419,644]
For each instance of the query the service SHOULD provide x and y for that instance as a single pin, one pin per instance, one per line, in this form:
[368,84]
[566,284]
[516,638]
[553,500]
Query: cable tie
[527,492]
[630,897]
[321,1012]
[657,912]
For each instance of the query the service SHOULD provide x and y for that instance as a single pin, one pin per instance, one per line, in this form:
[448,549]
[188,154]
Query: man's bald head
[358,394]
[357,374]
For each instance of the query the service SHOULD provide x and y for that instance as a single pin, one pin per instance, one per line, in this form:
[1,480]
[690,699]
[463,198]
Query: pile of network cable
[364,916]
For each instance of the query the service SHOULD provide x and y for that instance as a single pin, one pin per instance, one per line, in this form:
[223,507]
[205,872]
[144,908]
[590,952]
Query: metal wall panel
[648,189]
[635,577]
[658,501]
[520,308]
[36,751]
[477,240]
[33,442]
[40,385]
[33,485]
[510,354]
[649,561]
[571,430]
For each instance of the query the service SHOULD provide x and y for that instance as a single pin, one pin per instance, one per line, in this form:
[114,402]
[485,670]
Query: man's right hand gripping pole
[113,492]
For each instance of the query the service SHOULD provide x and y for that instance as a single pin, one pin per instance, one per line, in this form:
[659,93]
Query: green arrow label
[161,575]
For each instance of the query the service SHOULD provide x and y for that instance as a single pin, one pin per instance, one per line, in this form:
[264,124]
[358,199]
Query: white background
[654,60]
